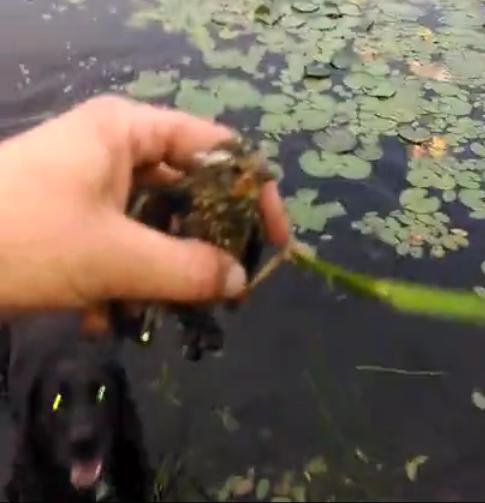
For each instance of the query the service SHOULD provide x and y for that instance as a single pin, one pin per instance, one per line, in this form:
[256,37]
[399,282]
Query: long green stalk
[460,305]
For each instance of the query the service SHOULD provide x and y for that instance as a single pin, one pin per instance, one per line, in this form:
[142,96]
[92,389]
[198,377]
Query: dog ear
[25,481]
[132,473]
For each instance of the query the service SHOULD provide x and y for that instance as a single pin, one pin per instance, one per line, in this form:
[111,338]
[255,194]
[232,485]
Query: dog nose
[83,442]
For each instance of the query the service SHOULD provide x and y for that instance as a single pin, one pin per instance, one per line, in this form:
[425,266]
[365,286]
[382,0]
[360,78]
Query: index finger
[162,134]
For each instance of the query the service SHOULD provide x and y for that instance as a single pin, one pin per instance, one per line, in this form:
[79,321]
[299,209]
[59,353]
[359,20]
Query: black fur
[45,359]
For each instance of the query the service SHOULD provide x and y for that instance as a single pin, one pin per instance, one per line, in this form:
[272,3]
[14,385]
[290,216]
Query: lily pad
[198,101]
[323,23]
[305,7]
[277,103]
[308,216]
[343,60]
[313,119]
[360,80]
[338,141]
[419,201]
[328,164]
[277,123]
[412,466]
[316,466]
[382,90]
[414,135]
[454,106]
[478,399]
[317,71]
[369,151]
[262,489]
[235,94]
[152,84]
[478,149]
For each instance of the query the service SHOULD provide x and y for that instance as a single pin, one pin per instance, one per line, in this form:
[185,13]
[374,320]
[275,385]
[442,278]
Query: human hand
[64,238]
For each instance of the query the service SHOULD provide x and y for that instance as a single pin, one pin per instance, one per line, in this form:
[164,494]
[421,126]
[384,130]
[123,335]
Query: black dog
[78,436]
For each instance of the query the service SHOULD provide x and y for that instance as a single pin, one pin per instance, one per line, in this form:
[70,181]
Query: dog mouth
[84,474]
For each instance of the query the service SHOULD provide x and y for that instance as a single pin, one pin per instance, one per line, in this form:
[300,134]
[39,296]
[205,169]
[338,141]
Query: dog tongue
[84,474]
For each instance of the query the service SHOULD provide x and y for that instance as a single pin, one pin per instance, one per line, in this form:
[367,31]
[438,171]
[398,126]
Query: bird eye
[236,169]
[100,394]
[57,402]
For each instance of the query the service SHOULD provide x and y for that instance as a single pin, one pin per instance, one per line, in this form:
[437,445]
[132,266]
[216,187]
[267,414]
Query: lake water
[294,383]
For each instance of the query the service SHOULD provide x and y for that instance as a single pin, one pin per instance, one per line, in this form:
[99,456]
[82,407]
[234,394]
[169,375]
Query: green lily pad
[305,7]
[349,9]
[316,466]
[262,489]
[292,22]
[382,90]
[277,103]
[354,168]
[338,141]
[369,152]
[478,399]
[412,466]
[360,80]
[478,149]
[414,135]
[308,216]
[323,23]
[277,123]
[454,106]
[197,101]
[235,94]
[444,88]
[152,84]
[473,199]
[419,201]
[317,71]
[343,60]
[313,119]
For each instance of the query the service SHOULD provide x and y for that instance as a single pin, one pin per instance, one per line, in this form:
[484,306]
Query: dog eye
[57,402]
[100,393]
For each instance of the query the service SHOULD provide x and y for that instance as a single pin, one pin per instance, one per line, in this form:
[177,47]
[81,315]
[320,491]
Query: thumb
[139,263]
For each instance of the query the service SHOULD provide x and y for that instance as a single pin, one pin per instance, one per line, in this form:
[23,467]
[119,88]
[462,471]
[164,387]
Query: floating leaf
[234,93]
[337,141]
[321,23]
[277,103]
[382,90]
[360,80]
[473,198]
[411,467]
[152,84]
[343,60]
[197,101]
[414,135]
[316,466]
[369,152]
[262,489]
[317,71]
[454,106]
[417,200]
[304,7]
[478,149]
[277,123]
[313,119]
[478,399]
[308,216]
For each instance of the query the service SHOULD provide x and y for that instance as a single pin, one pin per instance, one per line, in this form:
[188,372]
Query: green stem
[460,305]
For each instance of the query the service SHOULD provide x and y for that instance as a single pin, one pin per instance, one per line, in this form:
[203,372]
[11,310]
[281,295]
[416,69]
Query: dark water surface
[288,375]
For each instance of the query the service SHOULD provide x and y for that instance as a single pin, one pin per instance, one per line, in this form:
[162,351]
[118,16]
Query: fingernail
[235,281]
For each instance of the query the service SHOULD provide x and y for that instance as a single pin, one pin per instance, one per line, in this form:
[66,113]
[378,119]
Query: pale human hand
[64,238]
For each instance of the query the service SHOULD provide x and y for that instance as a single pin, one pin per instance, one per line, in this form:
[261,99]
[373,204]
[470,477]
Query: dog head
[76,414]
